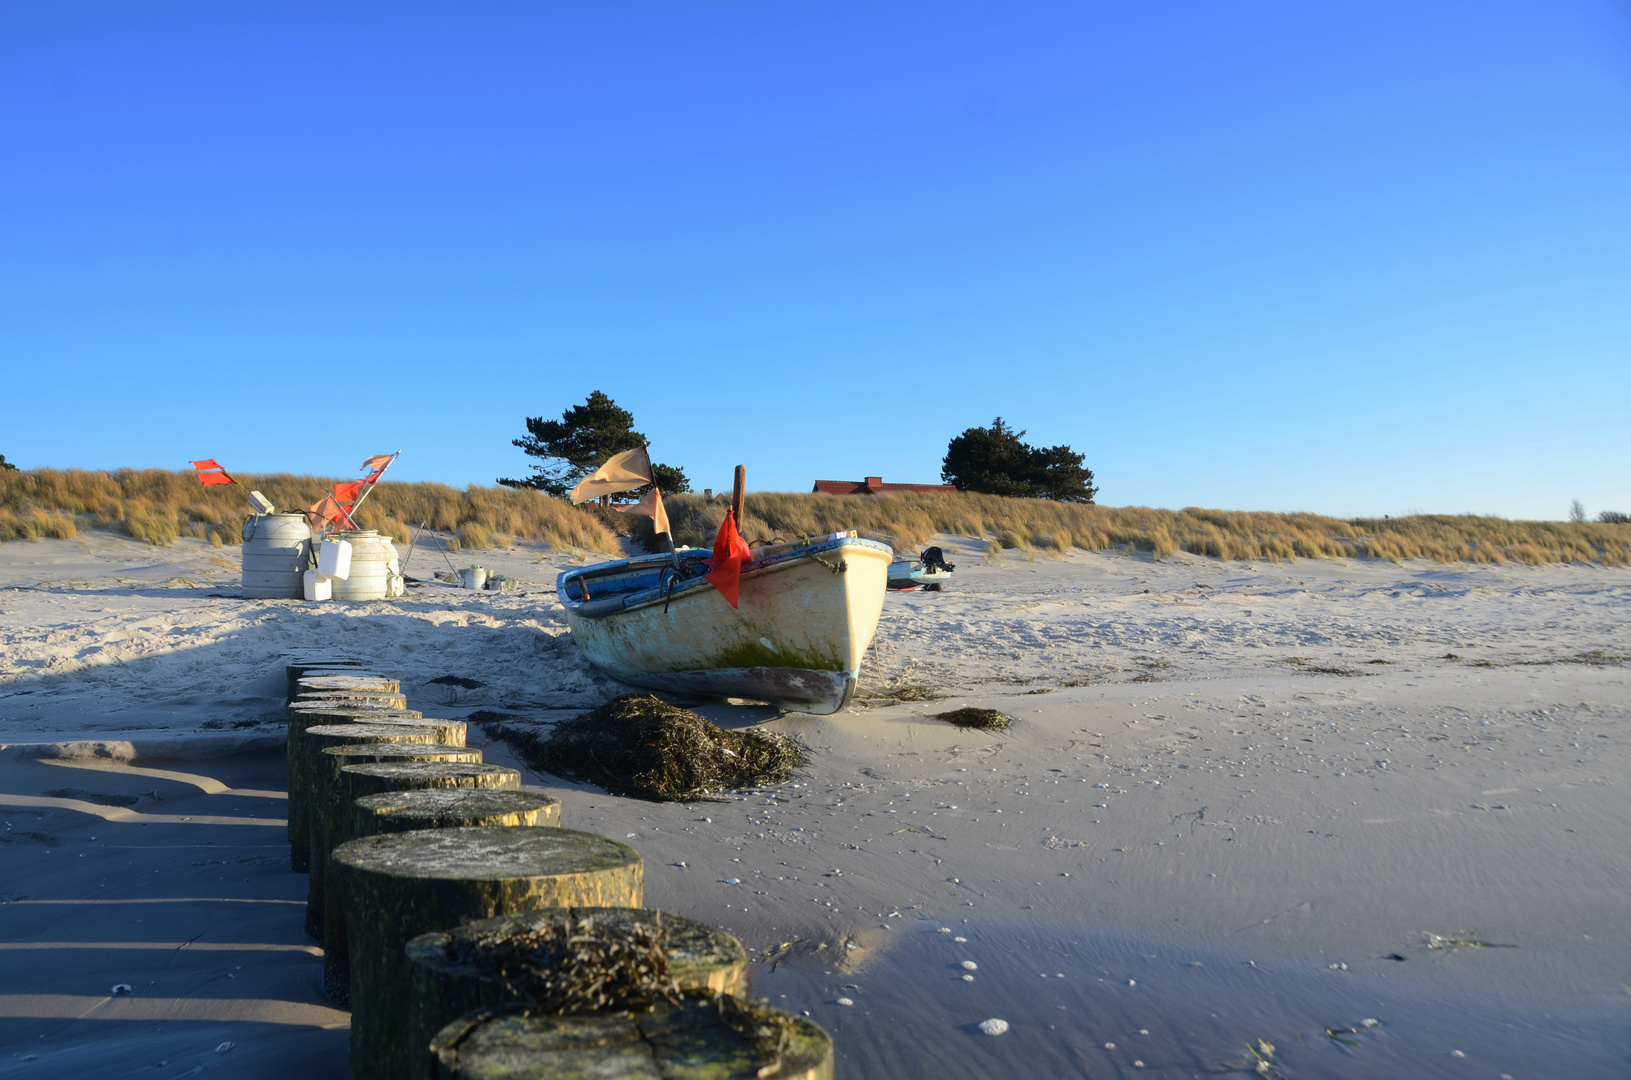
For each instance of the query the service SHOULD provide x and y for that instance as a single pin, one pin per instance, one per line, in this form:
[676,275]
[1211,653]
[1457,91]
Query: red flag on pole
[210,473]
[346,494]
[730,552]
[327,510]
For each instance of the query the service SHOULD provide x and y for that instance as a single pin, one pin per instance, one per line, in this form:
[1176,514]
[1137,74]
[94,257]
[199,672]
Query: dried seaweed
[984,719]
[643,747]
[569,965]
[1434,941]
[1303,663]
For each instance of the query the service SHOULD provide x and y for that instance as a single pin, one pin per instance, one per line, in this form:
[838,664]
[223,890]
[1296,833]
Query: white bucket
[472,577]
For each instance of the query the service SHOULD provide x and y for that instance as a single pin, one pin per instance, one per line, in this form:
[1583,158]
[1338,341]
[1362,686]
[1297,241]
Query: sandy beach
[1370,813]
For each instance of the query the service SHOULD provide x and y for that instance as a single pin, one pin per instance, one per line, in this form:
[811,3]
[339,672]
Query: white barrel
[370,575]
[276,553]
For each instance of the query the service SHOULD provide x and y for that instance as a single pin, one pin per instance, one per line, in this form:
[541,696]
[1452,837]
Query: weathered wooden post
[720,1038]
[301,717]
[402,885]
[299,667]
[552,958]
[375,778]
[327,817]
[348,682]
[451,808]
[377,699]
[317,739]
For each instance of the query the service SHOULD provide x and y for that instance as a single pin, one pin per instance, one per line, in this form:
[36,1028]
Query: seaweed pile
[983,719]
[641,746]
[568,964]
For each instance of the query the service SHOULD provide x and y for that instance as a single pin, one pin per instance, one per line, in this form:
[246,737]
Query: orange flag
[730,552]
[210,473]
[346,494]
[327,510]
[652,507]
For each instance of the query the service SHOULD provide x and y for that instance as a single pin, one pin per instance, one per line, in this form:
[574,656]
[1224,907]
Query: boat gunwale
[640,598]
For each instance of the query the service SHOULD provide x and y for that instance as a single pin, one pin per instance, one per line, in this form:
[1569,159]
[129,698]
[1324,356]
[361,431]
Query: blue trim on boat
[644,580]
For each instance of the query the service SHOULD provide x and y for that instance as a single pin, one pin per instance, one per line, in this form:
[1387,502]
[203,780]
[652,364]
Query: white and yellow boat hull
[806,615]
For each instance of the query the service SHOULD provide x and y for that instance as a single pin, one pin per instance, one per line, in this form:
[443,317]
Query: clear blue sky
[1354,258]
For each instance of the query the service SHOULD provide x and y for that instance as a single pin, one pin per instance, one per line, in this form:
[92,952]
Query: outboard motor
[935,559]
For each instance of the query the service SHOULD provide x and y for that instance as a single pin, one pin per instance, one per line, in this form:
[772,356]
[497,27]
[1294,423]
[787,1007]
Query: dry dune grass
[1034,527]
[158,506]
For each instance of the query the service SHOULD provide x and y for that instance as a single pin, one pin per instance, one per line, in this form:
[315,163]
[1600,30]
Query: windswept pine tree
[996,461]
[579,442]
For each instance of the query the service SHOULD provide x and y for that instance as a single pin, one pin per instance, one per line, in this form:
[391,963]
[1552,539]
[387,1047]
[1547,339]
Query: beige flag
[622,472]
[652,507]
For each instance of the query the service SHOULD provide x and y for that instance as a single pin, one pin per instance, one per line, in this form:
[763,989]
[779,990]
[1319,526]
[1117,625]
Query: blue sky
[1351,258]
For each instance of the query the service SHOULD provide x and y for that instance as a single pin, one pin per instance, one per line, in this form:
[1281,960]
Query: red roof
[873,485]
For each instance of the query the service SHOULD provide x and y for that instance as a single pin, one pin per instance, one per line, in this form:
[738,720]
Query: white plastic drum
[276,553]
[371,576]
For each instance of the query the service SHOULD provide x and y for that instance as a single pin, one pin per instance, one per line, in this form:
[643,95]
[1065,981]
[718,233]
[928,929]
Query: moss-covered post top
[443,807]
[400,751]
[709,1038]
[372,731]
[485,854]
[431,771]
[348,682]
[342,705]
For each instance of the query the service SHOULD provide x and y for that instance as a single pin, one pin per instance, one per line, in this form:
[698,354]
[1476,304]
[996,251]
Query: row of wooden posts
[414,846]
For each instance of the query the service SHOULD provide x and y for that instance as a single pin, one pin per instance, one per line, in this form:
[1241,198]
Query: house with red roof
[873,485]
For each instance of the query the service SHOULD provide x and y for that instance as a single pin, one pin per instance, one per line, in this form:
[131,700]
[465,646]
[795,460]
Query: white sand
[1249,824]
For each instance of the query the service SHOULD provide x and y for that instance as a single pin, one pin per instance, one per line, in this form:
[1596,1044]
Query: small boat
[928,571]
[807,613]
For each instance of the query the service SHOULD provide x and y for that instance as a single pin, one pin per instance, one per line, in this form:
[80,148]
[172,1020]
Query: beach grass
[1033,527]
[158,506]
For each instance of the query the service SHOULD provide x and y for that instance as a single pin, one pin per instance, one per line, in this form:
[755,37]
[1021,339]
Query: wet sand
[1309,779]
[181,898]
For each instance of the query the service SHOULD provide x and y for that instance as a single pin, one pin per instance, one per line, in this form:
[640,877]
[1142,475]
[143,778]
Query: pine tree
[579,442]
[995,460]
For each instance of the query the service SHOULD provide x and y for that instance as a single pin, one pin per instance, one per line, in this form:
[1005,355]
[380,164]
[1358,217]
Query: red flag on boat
[730,552]
[210,473]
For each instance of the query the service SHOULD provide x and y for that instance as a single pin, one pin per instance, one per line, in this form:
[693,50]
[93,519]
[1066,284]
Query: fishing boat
[806,613]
